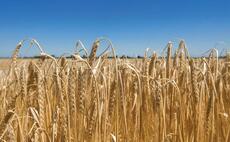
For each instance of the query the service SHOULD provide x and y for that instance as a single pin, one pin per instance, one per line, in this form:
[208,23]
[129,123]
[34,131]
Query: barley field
[161,98]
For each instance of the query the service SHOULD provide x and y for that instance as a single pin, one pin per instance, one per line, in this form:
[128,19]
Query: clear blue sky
[132,25]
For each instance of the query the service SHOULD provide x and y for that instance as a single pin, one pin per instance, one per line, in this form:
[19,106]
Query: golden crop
[173,98]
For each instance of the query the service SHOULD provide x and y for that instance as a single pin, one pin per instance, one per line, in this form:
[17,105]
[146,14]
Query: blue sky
[132,25]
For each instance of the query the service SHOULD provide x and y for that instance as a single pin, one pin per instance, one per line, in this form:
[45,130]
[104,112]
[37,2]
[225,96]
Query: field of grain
[174,98]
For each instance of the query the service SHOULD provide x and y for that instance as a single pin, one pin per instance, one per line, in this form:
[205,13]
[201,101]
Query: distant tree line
[84,56]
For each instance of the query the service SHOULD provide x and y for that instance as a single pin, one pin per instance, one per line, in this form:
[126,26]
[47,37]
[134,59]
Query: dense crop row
[97,99]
